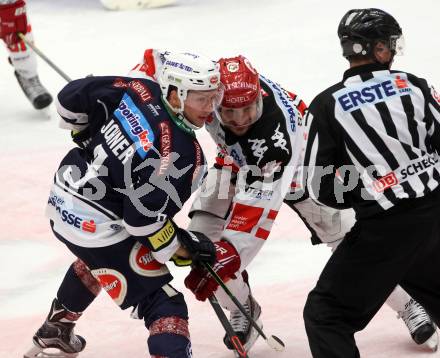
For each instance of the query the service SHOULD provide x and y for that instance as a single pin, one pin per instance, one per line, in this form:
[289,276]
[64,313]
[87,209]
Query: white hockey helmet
[187,72]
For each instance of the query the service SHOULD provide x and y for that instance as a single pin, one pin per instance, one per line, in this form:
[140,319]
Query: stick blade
[275,343]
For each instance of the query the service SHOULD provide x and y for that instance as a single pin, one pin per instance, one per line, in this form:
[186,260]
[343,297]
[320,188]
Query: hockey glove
[199,247]
[12,20]
[200,281]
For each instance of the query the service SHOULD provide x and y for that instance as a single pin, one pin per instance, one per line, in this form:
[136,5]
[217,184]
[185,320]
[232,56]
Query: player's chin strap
[179,113]
[181,116]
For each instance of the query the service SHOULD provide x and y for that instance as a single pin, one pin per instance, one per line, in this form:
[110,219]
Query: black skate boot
[55,338]
[422,329]
[34,91]
[241,325]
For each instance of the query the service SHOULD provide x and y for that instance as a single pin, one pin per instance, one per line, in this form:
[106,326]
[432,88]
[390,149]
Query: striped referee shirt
[372,140]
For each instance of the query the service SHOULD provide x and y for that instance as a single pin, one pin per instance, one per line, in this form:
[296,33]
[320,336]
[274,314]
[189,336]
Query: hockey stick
[39,53]
[273,341]
[238,346]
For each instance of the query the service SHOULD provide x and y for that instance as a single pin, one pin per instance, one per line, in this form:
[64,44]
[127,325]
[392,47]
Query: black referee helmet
[360,29]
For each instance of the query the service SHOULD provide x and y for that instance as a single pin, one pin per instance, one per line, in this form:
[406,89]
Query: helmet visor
[241,117]
[397,44]
[206,101]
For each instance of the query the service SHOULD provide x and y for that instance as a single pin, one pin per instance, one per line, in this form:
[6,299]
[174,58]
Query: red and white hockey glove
[227,263]
[13,19]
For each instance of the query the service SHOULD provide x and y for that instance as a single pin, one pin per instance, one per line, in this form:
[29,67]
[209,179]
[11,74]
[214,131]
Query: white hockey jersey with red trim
[265,161]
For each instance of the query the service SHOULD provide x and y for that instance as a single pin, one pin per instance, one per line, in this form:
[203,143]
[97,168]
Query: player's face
[239,120]
[199,105]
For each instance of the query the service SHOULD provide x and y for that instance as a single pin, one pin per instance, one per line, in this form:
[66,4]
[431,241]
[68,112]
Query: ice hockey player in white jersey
[255,130]
[13,20]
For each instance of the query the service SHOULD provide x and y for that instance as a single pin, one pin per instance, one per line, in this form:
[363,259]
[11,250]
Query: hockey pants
[130,284]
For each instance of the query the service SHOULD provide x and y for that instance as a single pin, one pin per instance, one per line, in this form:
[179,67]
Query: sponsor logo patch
[120,83]
[371,92]
[385,182]
[213,79]
[237,158]
[258,148]
[113,282]
[198,173]
[69,217]
[244,217]
[419,166]
[88,226]
[116,227]
[178,65]
[281,95]
[142,91]
[165,147]
[154,109]
[401,82]
[232,66]
[259,194]
[135,125]
[162,237]
[142,262]
[278,139]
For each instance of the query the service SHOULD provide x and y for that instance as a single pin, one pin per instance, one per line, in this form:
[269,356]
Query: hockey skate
[55,338]
[242,327]
[34,91]
[423,331]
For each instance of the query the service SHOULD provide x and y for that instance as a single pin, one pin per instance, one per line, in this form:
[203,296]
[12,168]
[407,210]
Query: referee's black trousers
[401,246]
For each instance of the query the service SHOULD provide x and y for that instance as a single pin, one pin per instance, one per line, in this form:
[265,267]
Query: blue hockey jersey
[137,167]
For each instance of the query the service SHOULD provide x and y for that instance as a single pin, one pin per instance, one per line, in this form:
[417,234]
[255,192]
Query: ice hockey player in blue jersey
[114,197]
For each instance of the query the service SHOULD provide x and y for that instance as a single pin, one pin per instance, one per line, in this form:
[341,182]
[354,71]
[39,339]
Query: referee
[372,144]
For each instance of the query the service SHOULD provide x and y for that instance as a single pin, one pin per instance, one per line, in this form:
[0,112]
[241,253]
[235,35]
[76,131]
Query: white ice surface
[291,41]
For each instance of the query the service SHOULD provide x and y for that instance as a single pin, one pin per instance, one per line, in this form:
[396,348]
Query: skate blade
[38,352]
[252,339]
[432,342]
